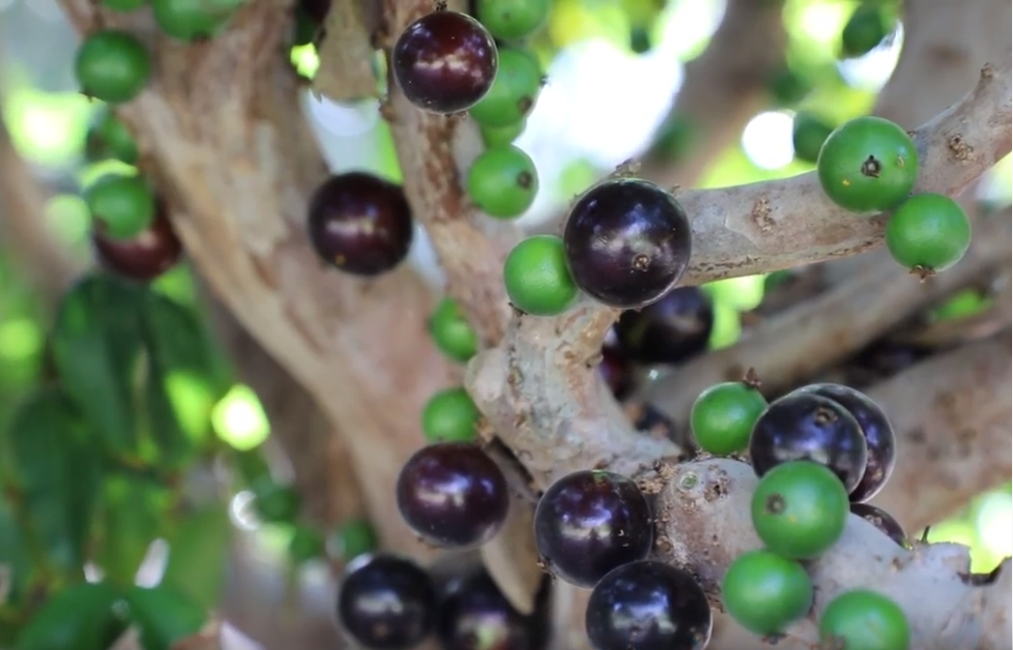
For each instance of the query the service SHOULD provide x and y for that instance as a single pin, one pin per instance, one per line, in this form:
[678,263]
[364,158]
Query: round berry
[498,135]
[512,20]
[883,521]
[928,233]
[193,20]
[806,426]
[123,206]
[590,522]
[799,509]
[360,223]
[123,6]
[648,605]
[306,544]
[867,164]
[387,603]
[787,87]
[477,616]
[453,495]
[879,436]
[450,416]
[513,93]
[451,331]
[112,66]
[275,503]
[503,181]
[144,257]
[108,138]
[445,62]
[808,133]
[627,242]
[865,619]
[537,278]
[723,416]
[354,538]
[765,592]
[866,29]
[671,330]
[617,372]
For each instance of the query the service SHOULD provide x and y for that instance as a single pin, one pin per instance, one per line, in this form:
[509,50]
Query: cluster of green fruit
[821,452]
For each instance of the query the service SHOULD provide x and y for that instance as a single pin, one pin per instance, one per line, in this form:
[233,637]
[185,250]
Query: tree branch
[346,51]
[723,88]
[795,344]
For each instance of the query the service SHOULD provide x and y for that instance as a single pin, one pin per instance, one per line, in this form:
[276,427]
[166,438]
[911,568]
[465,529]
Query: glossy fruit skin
[450,416]
[674,328]
[648,605]
[628,242]
[112,65]
[493,136]
[360,224]
[723,417]
[387,603]
[453,495]
[617,372]
[883,521]
[799,509]
[356,537]
[512,20]
[867,620]
[503,181]
[808,133]
[805,426]
[109,137]
[513,93]
[421,62]
[865,30]
[765,592]
[880,439]
[144,257]
[590,522]
[123,205]
[451,331]
[929,232]
[868,164]
[537,279]
[477,616]
[193,20]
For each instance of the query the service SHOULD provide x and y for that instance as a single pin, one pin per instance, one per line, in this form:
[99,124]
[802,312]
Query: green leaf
[15,558]
[181,386]
[132,516]
[164,616]
[96,348]
[57,477]
[197,556]
[78,618]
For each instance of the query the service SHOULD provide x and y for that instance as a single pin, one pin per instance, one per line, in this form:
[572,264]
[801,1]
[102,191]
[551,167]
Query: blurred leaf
[78,618]
[164,616]
[57,472]
[131,519]
[15,559]
[197,554]
[96,346]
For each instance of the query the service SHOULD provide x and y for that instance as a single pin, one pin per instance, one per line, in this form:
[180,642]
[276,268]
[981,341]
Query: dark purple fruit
[887,358]
[453,495]
[477,616]
[617,372]
[670,330]
[143,258]
[627,242]
[360,223]
[387,602]
[648,605]
[445,62]
[316,10]
[879,436]
[883,521]
[589,522]
[805,426]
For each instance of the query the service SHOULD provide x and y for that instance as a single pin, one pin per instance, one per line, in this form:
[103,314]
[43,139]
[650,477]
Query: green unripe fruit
[765,592]
[354,538]
[451,332]
[306,544]
[123,205]
[493,136]
[723,416]
[503,182]
[865,30]
[109,138]
[123,6]
[513,92]
[511,20]
[450,416]
[275,503]
[537,279]
[808,133]
[112,66]
[864,620]
[928,232]
[192,20]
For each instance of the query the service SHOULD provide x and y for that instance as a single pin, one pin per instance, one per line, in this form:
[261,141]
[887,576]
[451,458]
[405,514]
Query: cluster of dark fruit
[387,602]
[821,453]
